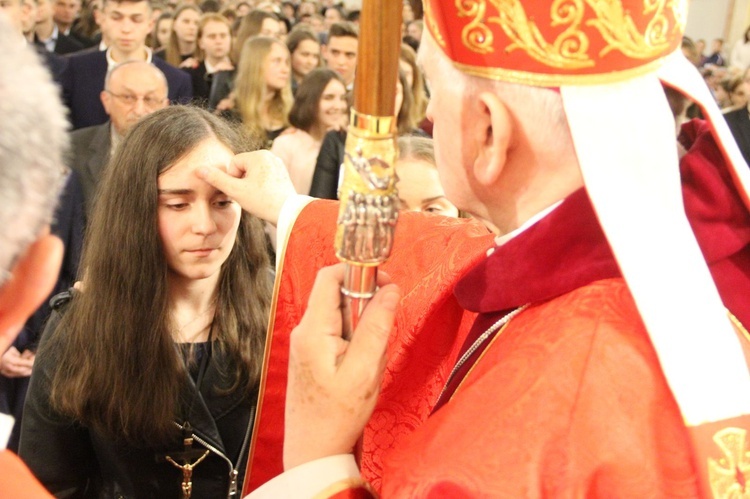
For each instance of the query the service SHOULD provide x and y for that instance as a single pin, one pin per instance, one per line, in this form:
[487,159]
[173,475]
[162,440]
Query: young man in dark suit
[49,35]
[127,23]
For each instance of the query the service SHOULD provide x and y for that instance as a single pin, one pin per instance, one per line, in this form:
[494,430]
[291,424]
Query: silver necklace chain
[184,326]
[479,341]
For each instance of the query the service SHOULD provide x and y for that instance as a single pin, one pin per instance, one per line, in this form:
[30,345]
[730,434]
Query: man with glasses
[128,22]
[132,90]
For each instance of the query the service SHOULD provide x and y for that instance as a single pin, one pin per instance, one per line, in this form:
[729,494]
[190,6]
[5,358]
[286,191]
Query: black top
[325,182]
[72,460]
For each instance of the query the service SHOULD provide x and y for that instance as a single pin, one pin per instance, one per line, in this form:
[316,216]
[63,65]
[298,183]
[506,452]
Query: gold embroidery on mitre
[727,475]
[570,49]
[430,18]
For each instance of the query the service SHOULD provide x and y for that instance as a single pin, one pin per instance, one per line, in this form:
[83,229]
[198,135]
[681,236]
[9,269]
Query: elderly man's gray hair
[33,141]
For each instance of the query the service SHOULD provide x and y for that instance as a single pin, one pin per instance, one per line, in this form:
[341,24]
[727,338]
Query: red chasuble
[430,327]
[568,399]
[16,481]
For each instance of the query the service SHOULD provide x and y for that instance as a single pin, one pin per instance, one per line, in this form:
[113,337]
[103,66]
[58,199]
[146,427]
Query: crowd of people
[192,129]
[727,74]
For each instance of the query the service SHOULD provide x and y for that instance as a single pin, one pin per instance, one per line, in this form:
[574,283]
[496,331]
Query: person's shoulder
[199,70]
[85,57]
[736,112]
[736,116]
[291,135]
[335,136]
[289,131]
[68,44]
[601,311]
[83,136]
[169,71]
[59,303]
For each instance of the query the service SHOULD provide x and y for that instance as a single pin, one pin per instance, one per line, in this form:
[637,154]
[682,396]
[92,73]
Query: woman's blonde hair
[419,105]
[250,87]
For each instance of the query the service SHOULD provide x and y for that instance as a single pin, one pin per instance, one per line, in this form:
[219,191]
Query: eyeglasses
[132,100]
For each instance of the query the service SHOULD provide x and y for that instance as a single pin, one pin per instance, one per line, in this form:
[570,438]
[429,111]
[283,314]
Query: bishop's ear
[31,281]
[494,129]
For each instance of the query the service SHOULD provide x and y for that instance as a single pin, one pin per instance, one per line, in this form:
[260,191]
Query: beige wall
[709,19]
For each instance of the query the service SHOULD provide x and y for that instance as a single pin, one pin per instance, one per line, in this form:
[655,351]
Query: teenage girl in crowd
[319,107]
[304,49]
[262,91]
[162,31]
[153,368]
[184,36]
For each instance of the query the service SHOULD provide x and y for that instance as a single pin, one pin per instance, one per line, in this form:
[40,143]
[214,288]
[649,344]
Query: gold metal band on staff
[368,126]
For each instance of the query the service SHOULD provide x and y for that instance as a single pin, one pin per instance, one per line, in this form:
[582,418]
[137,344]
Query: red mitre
[554,43]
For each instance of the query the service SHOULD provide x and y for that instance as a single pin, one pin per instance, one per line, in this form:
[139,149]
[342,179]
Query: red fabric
[430,326]
[16,481]
[361,492]
[569,401]
[521,40]
[562,252]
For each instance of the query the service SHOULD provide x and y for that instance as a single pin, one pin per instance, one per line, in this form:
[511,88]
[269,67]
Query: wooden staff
[369,201]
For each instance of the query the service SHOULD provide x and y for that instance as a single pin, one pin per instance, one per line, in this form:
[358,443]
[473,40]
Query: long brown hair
[405,119]
[172,54]
[250,25]
[419,106]
[304,112]
[117,368]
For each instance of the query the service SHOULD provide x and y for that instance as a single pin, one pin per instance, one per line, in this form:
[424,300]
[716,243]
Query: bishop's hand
[257,180]
[334,383]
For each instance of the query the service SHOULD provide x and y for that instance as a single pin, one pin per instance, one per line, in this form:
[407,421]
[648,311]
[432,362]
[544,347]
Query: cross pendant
[187,474]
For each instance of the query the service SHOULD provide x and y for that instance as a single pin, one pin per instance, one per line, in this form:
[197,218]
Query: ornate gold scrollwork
[369,200]
[430,18]
[570,49]
[476,35]
[727,475]
[679,11]
[620,32]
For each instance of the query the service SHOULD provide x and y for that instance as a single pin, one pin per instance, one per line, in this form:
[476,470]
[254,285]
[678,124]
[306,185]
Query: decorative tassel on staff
[369,200]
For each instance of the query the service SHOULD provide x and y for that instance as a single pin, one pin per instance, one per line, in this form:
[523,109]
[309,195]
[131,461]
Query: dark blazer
[90,149]
[739,124]
[64,45]
[209,89]
[325,182]
[83,81]
[55,63]
[67,45]
[72,460]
